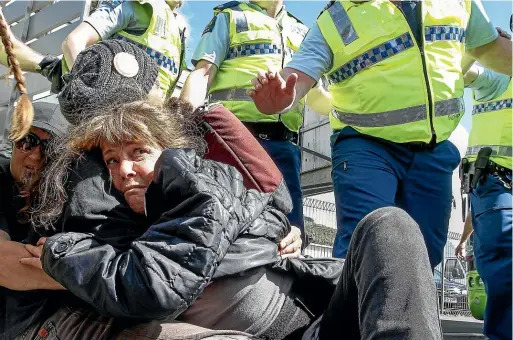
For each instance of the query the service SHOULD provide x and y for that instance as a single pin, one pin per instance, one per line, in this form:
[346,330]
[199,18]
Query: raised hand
[272,93]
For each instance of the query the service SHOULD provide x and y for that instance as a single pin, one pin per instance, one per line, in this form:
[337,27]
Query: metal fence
[320,225]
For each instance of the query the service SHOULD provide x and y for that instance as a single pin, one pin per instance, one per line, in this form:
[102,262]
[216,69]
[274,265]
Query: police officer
[243,39]
[153,25]
[491,199]
[395,69]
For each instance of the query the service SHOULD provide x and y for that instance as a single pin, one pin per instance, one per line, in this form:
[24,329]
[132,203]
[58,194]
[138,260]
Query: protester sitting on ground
[23,303]
[19,179]
[209,254]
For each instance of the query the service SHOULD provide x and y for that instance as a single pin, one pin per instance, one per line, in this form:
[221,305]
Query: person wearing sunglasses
[19,177]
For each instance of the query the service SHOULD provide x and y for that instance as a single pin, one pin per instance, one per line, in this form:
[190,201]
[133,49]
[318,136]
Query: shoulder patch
[210,26]
[294,17]
[110,3]
[300,29]
[326,7]
[228,4]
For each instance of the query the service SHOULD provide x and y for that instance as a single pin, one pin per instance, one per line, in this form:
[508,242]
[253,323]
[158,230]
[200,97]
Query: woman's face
[131,168]
[27,161]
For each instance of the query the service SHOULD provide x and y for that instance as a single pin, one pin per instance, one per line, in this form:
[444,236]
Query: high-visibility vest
[257,43]
[163,41]
[384,84]
[491,127]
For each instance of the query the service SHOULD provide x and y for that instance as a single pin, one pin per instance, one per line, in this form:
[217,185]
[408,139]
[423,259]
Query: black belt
[272,131]
[503,174]
[421,146]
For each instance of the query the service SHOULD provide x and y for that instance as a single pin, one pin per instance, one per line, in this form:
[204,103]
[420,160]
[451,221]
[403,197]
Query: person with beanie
[104,209]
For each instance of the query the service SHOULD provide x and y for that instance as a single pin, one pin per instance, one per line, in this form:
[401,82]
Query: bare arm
[28,58]
[496,56]
[81,37]
[467,230]
[16,276]
[198,83]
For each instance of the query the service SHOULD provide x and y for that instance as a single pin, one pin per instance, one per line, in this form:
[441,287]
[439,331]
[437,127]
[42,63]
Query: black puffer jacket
[206,225]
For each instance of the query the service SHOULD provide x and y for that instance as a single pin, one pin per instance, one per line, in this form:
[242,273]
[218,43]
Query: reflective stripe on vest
[497,150]
[231,94]
[241,21]
[238,95]
[401,116]
[341,20]
[161,60]
[371,57]
[444,33]
[253,49]
[492,106]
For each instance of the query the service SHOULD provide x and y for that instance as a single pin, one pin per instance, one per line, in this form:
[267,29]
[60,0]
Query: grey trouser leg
[387,290]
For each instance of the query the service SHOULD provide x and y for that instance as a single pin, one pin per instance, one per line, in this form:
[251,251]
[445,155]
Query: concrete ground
[461,328]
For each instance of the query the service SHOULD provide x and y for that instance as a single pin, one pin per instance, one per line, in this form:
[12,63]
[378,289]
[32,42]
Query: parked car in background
[455,293]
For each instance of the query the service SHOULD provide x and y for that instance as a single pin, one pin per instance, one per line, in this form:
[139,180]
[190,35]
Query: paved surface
[461,328]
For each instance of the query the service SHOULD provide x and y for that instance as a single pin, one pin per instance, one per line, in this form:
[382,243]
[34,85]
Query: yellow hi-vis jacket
[383,83]
[491,127]
[163,41]
[257,43]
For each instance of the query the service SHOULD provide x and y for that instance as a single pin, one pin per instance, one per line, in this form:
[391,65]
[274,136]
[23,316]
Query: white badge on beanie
[126,64]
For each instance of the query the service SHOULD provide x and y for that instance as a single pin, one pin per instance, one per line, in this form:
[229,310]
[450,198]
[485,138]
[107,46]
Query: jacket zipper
[424,69]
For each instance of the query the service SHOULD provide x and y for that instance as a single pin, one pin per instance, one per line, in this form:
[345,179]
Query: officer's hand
[290,246]
[503,33]
[272,93]
[459,250]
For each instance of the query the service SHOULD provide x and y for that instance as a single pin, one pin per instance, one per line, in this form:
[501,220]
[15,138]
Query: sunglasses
[30,142]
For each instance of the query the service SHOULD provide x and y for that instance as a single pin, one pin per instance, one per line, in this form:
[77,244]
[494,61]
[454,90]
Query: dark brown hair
[169,124]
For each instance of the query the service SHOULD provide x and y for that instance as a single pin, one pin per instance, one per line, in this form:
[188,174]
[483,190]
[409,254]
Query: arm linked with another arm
[198,213]
[16,276]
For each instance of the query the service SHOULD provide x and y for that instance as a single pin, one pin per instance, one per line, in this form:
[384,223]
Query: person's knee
[390,225]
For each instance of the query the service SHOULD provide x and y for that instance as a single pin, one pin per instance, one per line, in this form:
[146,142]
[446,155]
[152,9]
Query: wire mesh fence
[320,228]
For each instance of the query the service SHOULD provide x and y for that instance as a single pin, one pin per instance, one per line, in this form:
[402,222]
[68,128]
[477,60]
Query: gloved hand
[51,68]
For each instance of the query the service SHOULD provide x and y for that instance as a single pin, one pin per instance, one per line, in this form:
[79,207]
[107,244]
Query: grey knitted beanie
[106,74]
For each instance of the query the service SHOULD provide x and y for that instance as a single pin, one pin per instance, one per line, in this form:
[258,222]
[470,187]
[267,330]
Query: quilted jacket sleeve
[198,207]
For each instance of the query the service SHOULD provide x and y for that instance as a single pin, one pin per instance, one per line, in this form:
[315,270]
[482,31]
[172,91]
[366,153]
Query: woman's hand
[290,246]
[36,251]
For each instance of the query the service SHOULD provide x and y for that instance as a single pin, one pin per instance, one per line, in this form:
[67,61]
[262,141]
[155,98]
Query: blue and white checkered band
[371,57]
[444,33]
[161,59]
[253,49]
[492,106]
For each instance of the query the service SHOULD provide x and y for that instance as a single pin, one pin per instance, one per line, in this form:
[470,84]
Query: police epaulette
[227,5]
[326,7]
[293,16]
